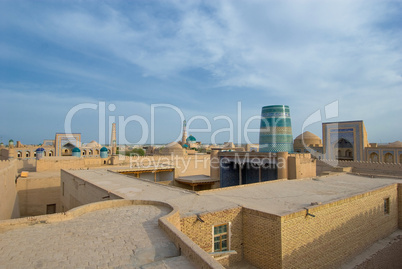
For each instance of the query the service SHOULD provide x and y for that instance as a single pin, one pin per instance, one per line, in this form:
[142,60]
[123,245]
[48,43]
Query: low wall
[338,231]
[184,166]
[58,163]
[76,192]
[171,224]
[301,166]
[374,168]
[9,207]
[201,233]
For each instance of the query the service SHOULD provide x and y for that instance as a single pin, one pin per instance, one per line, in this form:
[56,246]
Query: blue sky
[202,57]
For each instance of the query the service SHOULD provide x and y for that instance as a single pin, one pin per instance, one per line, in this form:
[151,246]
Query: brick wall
[202,232]
[338,231]
[9,207]
[262,239]
[392,169]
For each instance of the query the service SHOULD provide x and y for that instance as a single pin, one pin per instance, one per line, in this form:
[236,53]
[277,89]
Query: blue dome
[76,149]
[104,149]
[185,146]
[40,149]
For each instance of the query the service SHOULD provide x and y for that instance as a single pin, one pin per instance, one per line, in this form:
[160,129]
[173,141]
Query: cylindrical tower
[276,129]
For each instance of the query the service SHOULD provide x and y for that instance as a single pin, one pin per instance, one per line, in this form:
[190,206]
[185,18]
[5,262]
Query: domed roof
[173,145]
[191,139]
[40,149]
[103,149]
[396,144]
[93,144]
[10,141]
[76,149]
[185,146]
[307,135]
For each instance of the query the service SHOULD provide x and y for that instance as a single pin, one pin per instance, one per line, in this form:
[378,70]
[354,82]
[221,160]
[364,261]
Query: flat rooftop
[120,237]
[280,197]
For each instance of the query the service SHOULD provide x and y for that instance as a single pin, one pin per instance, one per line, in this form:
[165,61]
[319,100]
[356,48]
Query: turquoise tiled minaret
[276,129]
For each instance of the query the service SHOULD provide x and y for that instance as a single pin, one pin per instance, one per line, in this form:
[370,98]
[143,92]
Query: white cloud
[302,53]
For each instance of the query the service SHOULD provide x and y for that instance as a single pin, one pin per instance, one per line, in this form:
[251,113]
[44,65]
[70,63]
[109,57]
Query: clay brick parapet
[171,224]
[327,235]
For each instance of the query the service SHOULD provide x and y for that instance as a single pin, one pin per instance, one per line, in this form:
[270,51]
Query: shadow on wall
[27,165]
[16,208]
[341,243]
[35,202]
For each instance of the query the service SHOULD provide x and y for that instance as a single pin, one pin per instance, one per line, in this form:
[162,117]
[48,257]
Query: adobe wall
[184,166]
[373,168]
[339,230]
[301,166]
[35,193]
[9,207]
[262,239]
[201,233]
[77,192]
[400,205]
[58,163]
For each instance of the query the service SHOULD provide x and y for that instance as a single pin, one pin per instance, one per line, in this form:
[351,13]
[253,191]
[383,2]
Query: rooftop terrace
[280,197]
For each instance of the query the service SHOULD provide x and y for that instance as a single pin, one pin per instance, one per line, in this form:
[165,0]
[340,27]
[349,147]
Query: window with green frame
[221,237]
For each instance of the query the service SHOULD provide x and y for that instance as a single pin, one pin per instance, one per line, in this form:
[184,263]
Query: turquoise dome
[10,141]
[104,149]
[76,149]
[191,139]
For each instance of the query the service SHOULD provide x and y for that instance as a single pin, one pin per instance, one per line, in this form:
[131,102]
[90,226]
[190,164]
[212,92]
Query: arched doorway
[373,157]
[344,149]
[27,154]
[389,158]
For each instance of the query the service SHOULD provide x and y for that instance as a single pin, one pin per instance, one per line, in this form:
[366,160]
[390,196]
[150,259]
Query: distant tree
[136,151]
